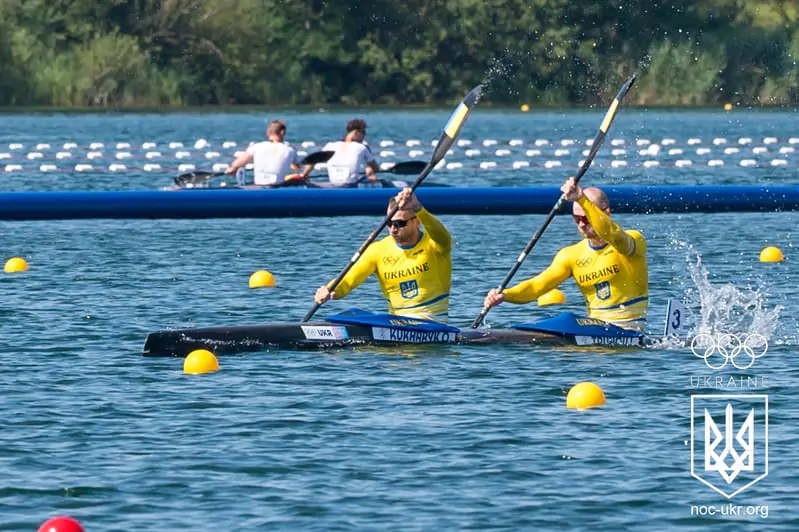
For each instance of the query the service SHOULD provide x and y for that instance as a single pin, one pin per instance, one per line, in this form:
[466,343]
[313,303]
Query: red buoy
[61,524]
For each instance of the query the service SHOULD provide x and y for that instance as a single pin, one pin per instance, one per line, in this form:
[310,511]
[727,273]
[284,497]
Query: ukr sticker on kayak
[409,289]
[324,333]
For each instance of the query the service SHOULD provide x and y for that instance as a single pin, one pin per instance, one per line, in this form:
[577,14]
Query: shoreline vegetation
[257,55]
[346,109]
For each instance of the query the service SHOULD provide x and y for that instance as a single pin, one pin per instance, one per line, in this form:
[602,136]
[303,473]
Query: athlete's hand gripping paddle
[451,130]
[600,137]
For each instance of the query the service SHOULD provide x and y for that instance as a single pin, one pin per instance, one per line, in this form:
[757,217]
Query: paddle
[401,168]
[195,178]
[600,137]
[199,178]
[405,168]
[451,130]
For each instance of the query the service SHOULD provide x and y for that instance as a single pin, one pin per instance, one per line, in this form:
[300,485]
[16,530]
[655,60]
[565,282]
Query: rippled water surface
[433,438]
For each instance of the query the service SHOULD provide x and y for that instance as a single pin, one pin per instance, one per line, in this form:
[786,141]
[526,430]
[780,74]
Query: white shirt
[272,161]
[344,168]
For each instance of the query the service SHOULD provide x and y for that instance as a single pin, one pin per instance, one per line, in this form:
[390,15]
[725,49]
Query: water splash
[500,75]
[726,308]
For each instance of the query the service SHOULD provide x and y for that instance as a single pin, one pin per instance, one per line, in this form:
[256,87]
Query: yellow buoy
[16,264]
[728,106]
[200,361]
[261,279]
[771,254]
[553,297]
[585,395]
[525,107]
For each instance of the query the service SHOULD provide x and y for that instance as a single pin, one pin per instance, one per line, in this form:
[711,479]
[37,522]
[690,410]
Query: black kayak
[357,327]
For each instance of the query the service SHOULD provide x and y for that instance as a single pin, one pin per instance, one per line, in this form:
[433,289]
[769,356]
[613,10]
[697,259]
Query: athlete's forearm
[532,289]
[606,228]
[437,231]
[360,271]
[241,161]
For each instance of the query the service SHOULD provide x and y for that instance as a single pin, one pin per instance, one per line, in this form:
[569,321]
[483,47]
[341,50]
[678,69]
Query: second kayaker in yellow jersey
[413,264]
[609,265]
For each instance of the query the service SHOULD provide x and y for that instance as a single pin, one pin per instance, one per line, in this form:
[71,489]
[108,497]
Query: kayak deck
[322,335]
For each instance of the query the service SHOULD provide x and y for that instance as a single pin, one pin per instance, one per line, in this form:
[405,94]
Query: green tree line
[146,53]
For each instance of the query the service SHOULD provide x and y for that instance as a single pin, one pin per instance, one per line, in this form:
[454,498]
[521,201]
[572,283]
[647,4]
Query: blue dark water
[449,438]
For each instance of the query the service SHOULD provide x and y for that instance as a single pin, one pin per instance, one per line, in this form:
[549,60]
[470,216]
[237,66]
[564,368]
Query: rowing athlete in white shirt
[273,158]
[351,155]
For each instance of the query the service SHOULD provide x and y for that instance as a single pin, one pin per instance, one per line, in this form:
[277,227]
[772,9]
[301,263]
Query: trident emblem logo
[735,458]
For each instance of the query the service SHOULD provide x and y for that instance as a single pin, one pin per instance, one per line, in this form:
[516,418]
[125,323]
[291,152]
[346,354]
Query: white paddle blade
[675,318]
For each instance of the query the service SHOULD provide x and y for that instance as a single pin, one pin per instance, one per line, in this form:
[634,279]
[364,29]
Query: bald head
[597,197]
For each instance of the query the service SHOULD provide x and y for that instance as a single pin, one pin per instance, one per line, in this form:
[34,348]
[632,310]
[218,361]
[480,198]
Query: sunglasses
[399,224]
[578,219]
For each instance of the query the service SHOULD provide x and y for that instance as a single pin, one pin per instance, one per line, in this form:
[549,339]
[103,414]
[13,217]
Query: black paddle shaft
[451,130]
[600,137]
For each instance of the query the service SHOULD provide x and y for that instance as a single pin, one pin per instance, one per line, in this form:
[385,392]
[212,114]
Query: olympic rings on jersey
[584,261]
[729,347]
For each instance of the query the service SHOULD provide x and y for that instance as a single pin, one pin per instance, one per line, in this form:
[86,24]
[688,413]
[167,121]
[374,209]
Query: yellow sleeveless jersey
[614,279]
[416,280]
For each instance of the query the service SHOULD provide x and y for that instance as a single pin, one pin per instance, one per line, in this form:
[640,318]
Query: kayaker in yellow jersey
[413,264]
[609,265]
